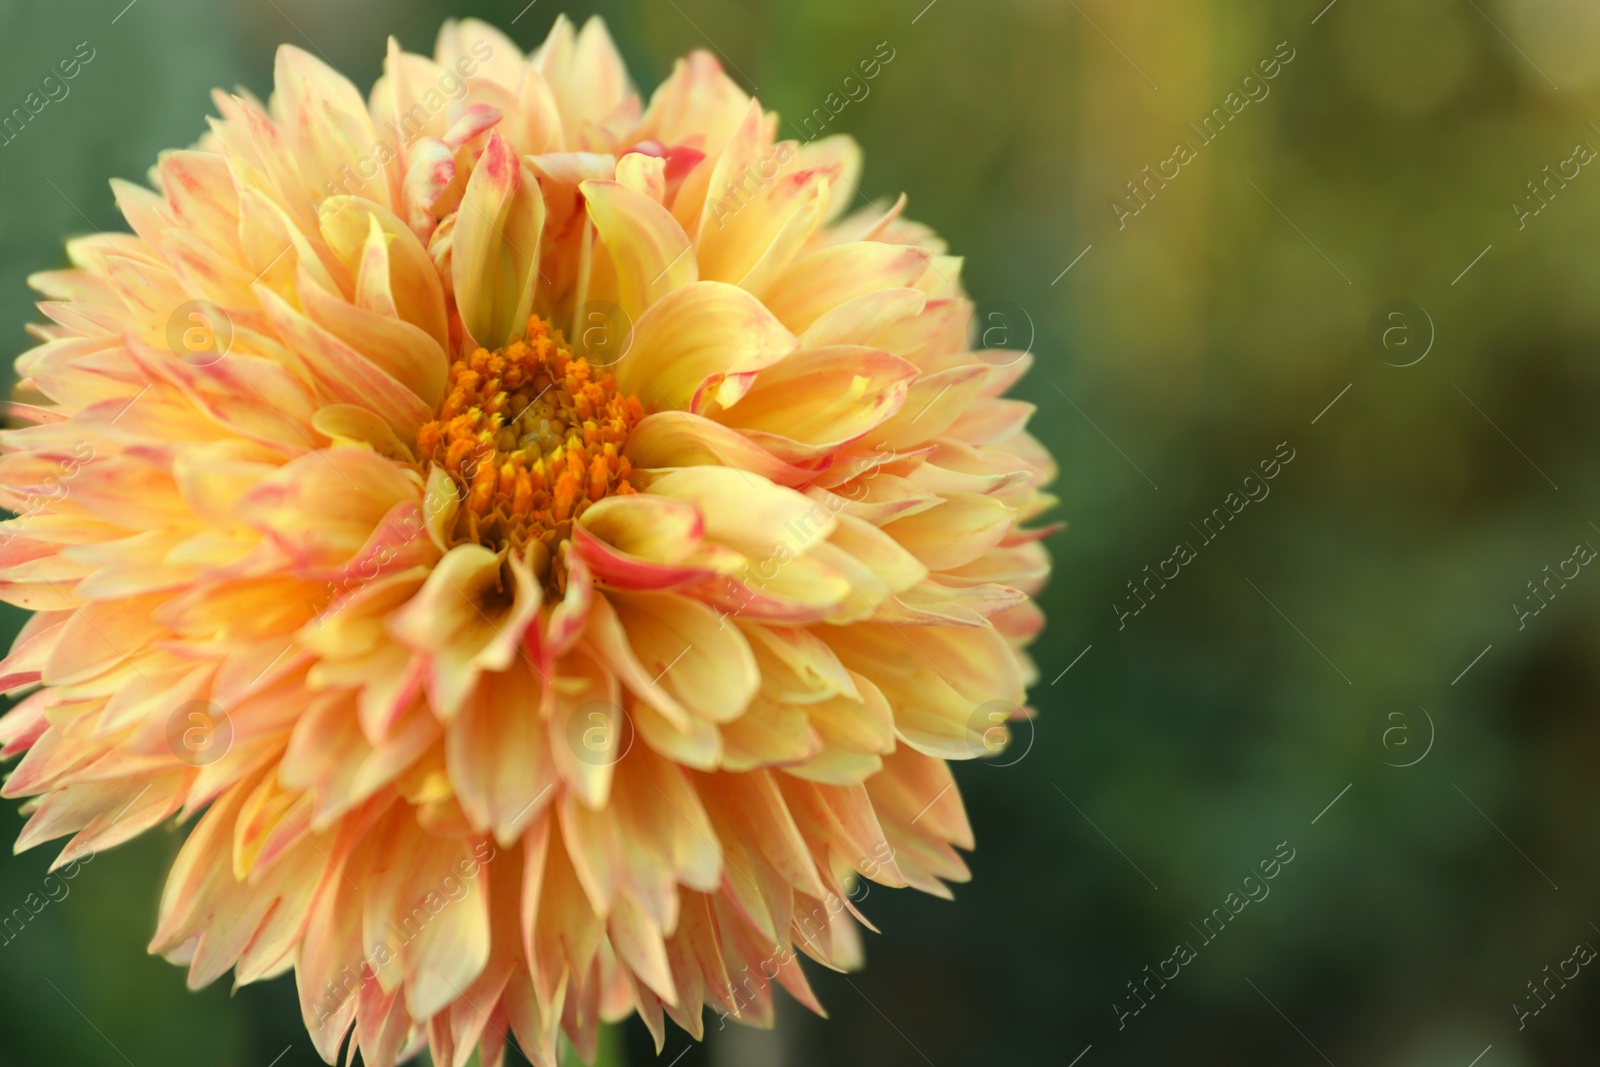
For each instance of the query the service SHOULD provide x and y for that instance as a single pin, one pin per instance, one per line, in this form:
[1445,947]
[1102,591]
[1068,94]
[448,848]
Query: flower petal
[465,621]
[706,665]
[649,254]
[703,340]
[495,257]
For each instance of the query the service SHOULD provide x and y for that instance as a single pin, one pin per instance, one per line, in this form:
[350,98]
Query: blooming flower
[551,547]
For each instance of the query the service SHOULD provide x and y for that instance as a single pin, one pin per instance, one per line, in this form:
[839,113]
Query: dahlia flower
[546,544]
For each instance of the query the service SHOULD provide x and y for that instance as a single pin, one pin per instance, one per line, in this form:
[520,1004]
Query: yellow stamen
[533,436]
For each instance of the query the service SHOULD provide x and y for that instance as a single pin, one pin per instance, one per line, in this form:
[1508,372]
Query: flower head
[545,543]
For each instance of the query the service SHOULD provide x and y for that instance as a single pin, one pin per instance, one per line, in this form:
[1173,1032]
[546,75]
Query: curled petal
[704,341]
[468,618]
[495,258]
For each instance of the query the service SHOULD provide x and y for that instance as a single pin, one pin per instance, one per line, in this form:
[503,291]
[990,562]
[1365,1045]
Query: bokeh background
[1361,617]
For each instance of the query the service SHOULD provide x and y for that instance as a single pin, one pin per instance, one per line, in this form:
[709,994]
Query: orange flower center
[532,435]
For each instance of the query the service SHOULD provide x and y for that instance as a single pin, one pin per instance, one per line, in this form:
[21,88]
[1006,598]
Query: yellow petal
[344,374]
[862,320]
[452,948]
[418,296]
[466,622]
[706,665]
[822,399]
[590,731]
[683,439]
[650,254]
[324,506]
[822,280]
[480,48]
[324,119]
[642,541]
[643,174]
[956,532]
[704,341]
[746,512]
[499,756]
[585,72]
[769,734]
[495,257]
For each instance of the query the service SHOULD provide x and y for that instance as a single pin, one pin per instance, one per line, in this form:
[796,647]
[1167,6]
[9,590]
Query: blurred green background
[1293,658]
